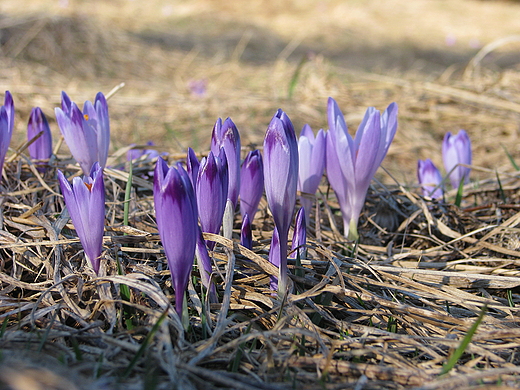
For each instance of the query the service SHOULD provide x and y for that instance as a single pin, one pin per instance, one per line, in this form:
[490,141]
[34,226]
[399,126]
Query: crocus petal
[41,149]
[456,150]
[225,135]
[87,133]
[430,179]
[176,217]
[246,236]
[300,235]
[192,164]
[251,184]
[85,201]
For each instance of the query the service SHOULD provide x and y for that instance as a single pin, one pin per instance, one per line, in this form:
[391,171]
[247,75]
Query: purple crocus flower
[40,149]
[352,163]
[176,215]
[430,179]
[251,184]
[225,135]
[86,133]
[300,235]
[311,153]
[456,150]
[85,201]
[281,180]
[246,236]
[134,154]
[212,188]
[6,126]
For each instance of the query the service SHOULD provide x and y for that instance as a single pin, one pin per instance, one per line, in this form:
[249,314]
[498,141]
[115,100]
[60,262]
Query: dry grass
[385,315]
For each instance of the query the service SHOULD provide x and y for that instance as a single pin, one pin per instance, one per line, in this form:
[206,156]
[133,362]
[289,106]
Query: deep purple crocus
[456,150]
[211,190]
[311,153]
[430,179]
[281,180]
[225,135]
[6,126]
[176,215]
[86,133]
[352,163]
[251,184]
[246,236]
[85,201]
[300,235]
[41,149]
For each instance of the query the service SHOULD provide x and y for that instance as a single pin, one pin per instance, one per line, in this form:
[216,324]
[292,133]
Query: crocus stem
[282,278]
[352,230]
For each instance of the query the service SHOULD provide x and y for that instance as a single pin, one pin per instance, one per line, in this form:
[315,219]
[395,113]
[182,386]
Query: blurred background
[186,63]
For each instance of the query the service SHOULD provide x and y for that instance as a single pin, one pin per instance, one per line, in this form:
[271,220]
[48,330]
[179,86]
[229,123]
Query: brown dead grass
[386,316]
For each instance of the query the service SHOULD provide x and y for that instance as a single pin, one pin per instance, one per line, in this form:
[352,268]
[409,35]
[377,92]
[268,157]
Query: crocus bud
[300,235]
[251,184]
[134,154]
[176,215]
[281,180]
[85,201]
[246,236]
[41,149]
[192,165]
[311,153]
[275,256]
[86,133]
[430,179]
[6,126]
[226,136]
[211,191]
[352,163]
[456,150]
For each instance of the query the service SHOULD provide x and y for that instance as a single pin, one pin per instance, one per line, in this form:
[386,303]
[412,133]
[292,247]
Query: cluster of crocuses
[456,155]
[192,200]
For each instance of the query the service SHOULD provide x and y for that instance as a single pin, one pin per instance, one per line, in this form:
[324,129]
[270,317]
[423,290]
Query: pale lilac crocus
[251,184]
[150,154]
[430,179]
[300,235]
[281,180]
[176,215]
[6,126]
[246,236]
[211,191]
[456,151]
[85,201]
[311,153]
[352,163]
[41,149]
[225,135]
[86,133]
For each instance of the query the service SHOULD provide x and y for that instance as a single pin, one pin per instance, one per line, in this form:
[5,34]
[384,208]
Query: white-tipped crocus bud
[6,126]
[430,179]
[281,180]
[41,149]
[300,235]
[352,163]
[86,133]
[211,191]
[311,153]
[225,135]
[176,215]
[456,150]
[251,184]
[85,201]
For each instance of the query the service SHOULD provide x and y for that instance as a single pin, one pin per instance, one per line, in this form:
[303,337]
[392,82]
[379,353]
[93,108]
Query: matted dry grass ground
[387,316]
